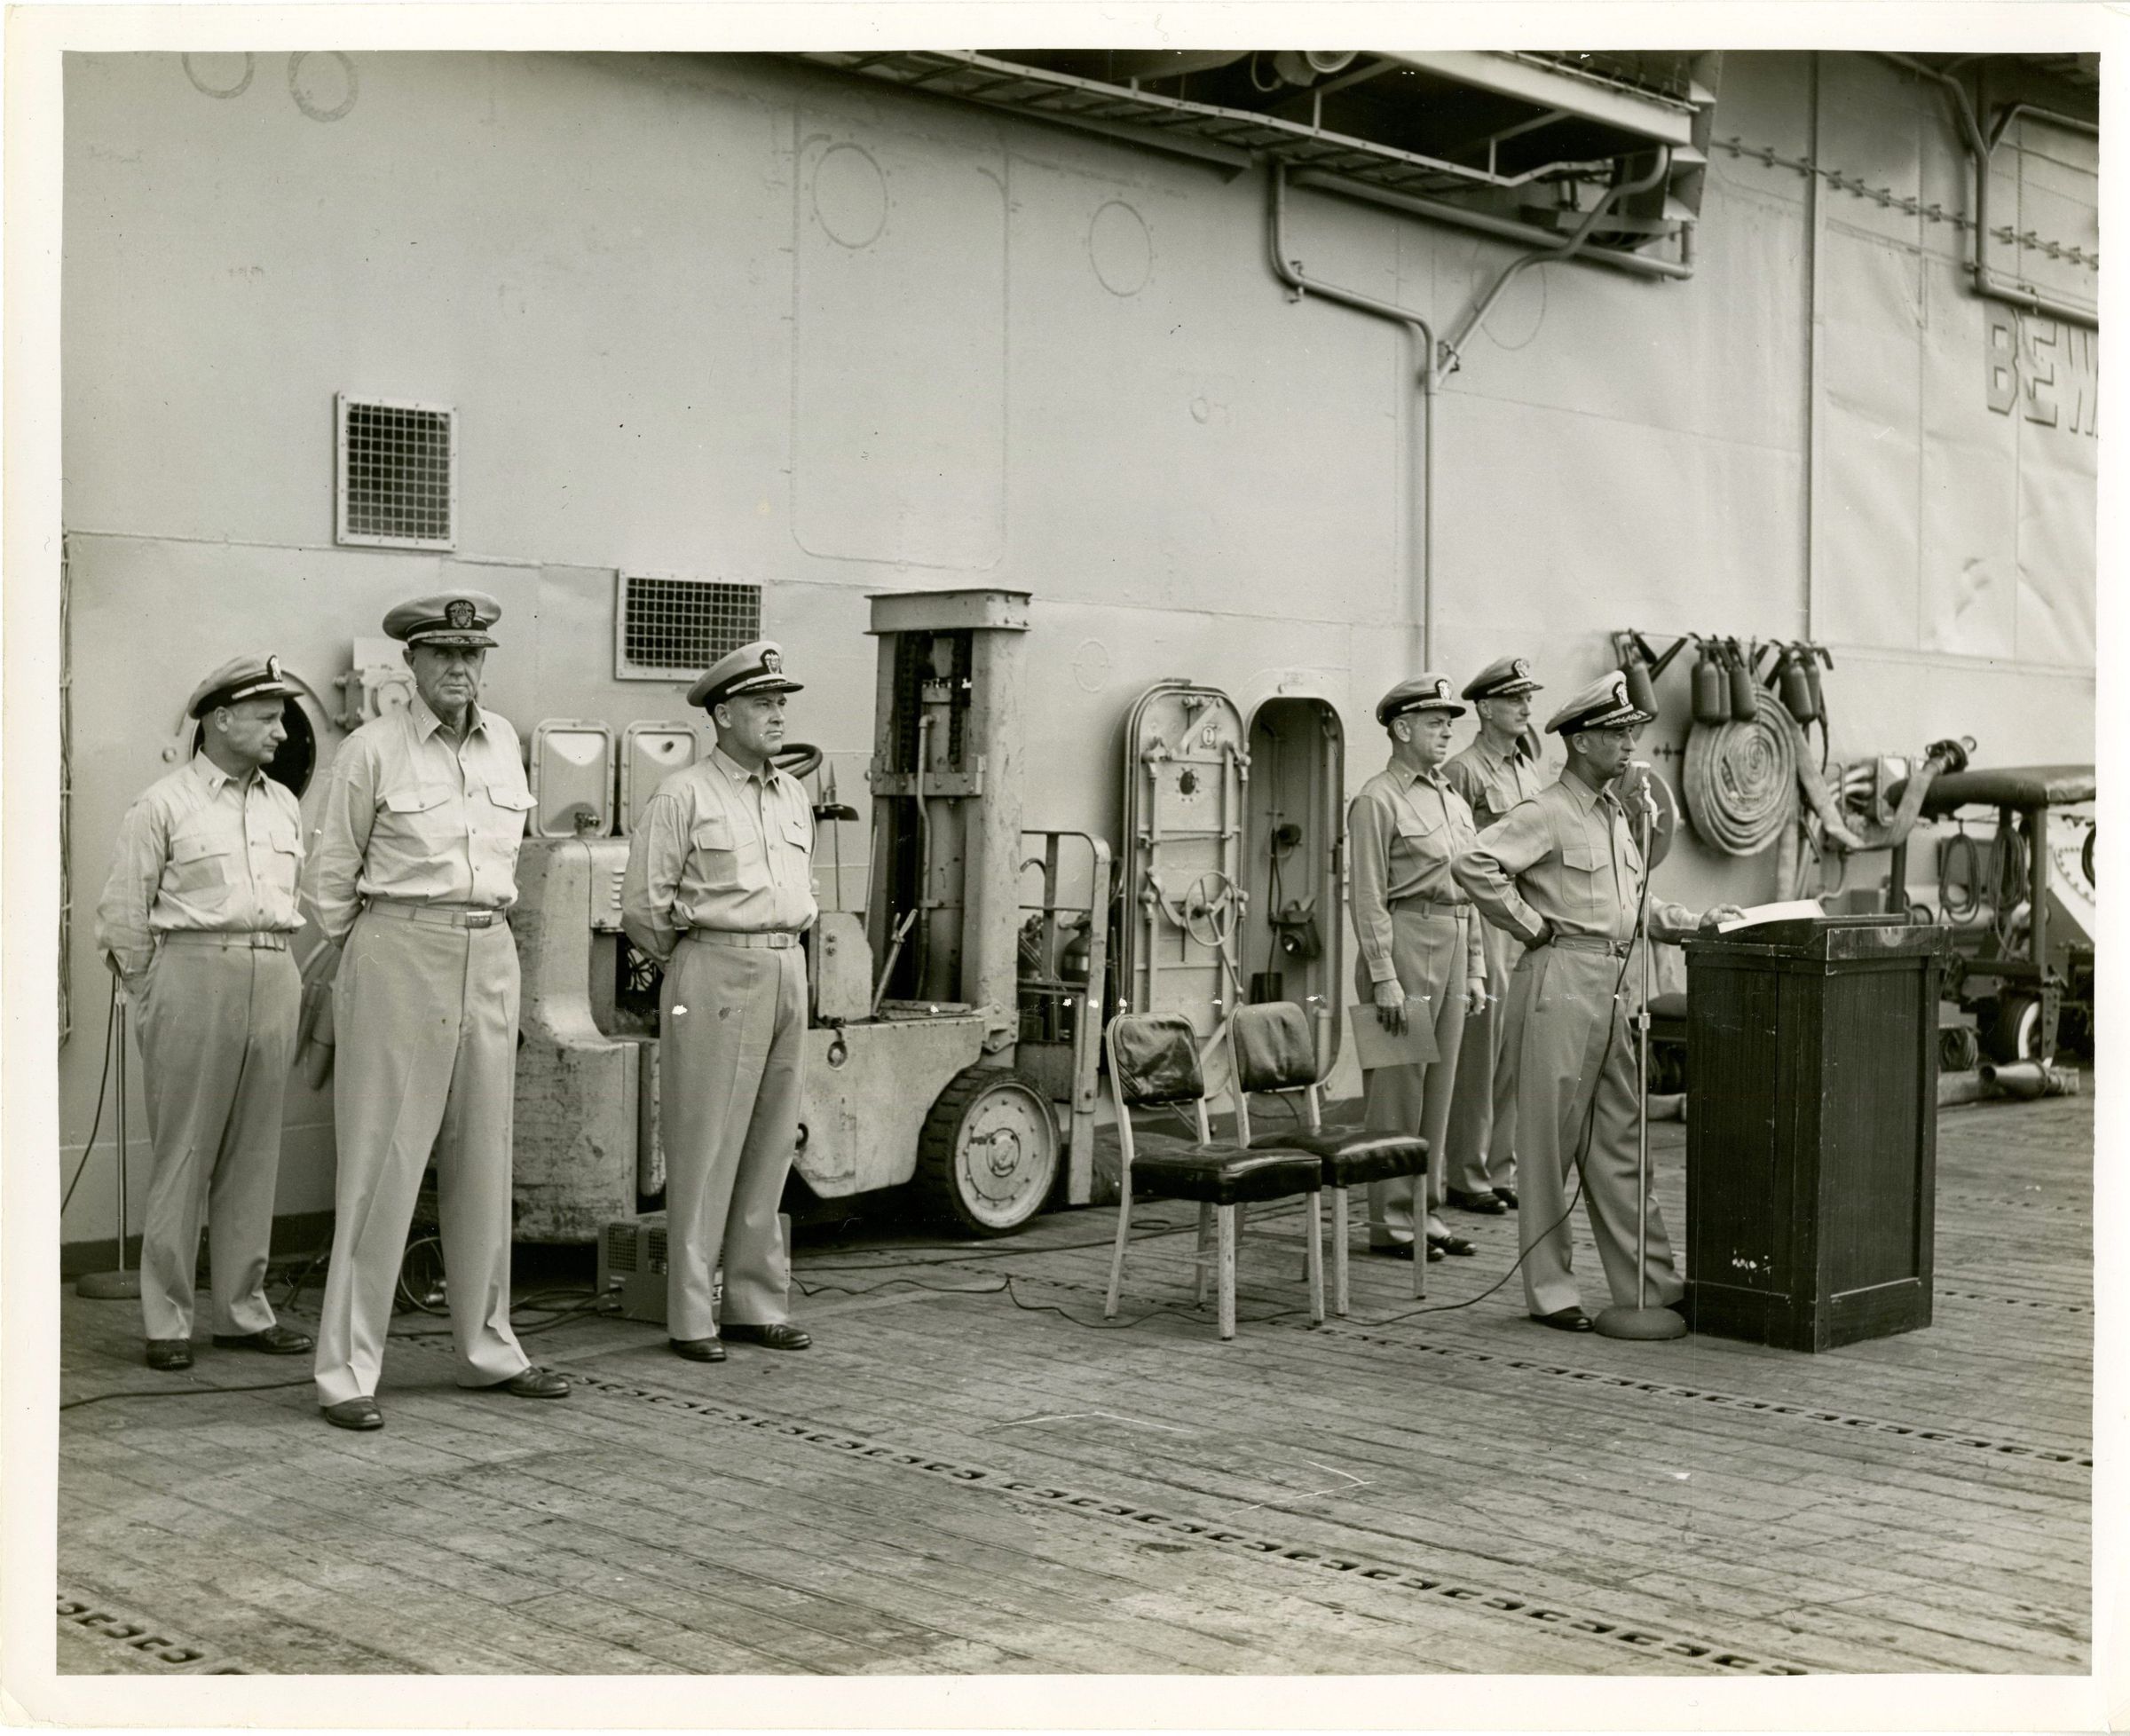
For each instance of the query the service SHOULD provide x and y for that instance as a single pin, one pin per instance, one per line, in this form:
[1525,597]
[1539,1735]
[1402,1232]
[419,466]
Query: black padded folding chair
[1154,1063]
[1274,1052]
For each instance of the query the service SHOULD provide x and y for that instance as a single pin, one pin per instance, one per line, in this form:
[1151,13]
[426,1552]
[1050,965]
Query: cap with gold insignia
[1428,693]
[755,668]
[1504,678]
[253,676]
[1603,705]
[457,618]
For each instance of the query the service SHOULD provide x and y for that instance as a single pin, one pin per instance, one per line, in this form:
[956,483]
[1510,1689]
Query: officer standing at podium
[1563,874]
[413,870]
[718,889]
[1493,775]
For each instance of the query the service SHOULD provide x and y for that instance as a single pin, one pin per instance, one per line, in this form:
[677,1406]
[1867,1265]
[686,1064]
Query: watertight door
[1181,879]
[1293,933]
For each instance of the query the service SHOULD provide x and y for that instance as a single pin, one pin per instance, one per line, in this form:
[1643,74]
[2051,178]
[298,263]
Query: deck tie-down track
[1652,1642]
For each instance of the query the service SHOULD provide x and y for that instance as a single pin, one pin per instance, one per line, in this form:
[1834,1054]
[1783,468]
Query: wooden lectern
[1812,1129]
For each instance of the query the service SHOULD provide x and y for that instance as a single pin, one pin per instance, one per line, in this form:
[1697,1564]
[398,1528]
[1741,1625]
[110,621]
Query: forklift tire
[989,1152]
[2013,1031]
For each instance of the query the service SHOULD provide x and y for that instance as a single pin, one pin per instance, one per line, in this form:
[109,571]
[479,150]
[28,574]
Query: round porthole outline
[236,89]
[347,65]
[828,228]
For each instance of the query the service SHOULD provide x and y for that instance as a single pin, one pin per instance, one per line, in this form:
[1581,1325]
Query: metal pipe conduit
[1503,228]
[1421,517]
[1979,150]
[1516,267]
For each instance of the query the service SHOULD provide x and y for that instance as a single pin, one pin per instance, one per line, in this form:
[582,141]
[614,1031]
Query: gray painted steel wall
[732,318]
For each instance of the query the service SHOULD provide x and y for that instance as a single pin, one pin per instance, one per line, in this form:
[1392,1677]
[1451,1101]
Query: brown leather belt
[1432,906]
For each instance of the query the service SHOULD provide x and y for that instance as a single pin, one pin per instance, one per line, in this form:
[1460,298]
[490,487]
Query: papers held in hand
[1795,910]
[1374,1047]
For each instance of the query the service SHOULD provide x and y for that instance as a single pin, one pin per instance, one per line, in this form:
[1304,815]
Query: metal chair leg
[1424,1208]
[1200,1256]
[1317,1260]
[1339,1232]
[1117,1257]
[1227,1215]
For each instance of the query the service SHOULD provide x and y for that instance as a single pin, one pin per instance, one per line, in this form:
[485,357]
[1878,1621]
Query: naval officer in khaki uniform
[413,870]
[1419,942]
[1493,775]
[1562,872]
[196,920]
[719,886]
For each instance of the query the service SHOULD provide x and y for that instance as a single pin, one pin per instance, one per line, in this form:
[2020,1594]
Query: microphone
[1645,774]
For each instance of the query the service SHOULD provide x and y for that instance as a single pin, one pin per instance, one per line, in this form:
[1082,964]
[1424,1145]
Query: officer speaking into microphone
[196,920]
[718,889]
[1563,874]
[414,869]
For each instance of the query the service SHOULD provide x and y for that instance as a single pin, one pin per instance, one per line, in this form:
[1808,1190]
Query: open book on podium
[1794,910]
[1374,1047]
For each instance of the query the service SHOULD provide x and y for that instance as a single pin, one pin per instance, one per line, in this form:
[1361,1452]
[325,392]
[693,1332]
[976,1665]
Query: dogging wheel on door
[989,1152]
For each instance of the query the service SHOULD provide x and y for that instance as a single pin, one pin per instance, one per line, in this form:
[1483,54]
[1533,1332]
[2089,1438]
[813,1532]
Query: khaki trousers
[732,1028]
[217,1033]
[1428,949]
[425,1018]
[1482,1113]
[1562,1005]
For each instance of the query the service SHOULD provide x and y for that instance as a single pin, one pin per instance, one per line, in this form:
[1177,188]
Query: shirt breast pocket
[713,844]
[428,817]
[1424,838]
[1584,872]
[200,866]
[285,858]
[500,820]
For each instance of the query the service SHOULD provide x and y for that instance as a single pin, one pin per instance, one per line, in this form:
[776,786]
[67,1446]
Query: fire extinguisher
[1799,692]
[1711,694]
[1641,690]
[1810,657]
[1744,704]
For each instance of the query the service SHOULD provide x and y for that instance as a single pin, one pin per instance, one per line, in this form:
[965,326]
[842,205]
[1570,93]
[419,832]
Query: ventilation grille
[397,473]
[672,630]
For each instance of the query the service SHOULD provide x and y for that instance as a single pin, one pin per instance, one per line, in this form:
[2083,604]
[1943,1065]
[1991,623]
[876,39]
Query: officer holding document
[1420,953]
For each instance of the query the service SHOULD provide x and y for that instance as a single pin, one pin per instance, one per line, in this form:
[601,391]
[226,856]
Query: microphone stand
[1642,1322]
[120,1285]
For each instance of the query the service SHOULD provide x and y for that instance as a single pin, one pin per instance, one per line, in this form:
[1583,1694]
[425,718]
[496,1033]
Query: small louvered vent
[397,473]
[672,630]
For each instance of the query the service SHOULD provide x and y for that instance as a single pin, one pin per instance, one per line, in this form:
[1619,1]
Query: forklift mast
[946,779]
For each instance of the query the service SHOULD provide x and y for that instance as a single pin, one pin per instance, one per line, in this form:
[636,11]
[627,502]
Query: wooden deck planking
[611,1534]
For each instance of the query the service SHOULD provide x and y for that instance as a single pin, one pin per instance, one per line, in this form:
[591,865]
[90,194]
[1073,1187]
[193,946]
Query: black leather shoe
[1564,1320]
[1507,1196]
[1487,1206]
[354,1414]
[1450,1244]
[1402,1250]
[169,1354]
[534,1383]
[275,1341]
[698,1350]
[778,1337]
